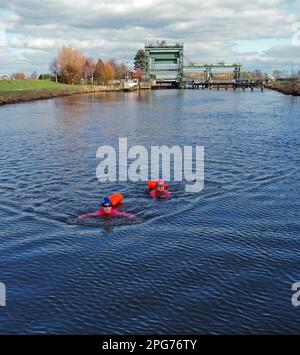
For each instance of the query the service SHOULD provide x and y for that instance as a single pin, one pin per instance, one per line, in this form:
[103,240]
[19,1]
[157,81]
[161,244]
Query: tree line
[276,74]
[70,66]
[73,67]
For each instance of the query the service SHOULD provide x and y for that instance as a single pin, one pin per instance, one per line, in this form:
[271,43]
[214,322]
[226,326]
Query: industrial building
[164,62]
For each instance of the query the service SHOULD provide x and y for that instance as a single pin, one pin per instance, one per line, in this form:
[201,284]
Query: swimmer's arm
[93,214]
[168,193]
[153,194]
[127,215]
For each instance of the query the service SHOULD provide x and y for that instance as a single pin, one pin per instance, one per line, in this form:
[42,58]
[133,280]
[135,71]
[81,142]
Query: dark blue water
[219,261]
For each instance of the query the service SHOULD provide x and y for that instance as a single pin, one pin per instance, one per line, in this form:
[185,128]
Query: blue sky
[261,34]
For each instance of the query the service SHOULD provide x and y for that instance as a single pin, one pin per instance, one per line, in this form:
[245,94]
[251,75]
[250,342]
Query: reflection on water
[219,261]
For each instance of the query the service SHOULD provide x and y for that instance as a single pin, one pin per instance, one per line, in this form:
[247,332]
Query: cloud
[210,30]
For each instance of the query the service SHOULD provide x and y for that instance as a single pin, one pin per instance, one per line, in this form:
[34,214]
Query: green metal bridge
[207,72]
[166,64]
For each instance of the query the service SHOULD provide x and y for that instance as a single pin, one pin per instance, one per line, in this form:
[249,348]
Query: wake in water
[106,223]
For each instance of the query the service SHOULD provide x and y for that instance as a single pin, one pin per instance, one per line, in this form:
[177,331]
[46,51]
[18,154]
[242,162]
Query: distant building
[164,62]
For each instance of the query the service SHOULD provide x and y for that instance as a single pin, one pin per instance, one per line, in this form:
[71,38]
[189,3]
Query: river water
[219,261]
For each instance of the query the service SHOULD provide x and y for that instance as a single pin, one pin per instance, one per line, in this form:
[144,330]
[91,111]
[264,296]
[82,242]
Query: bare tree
[113,64]
[121,71]
[109,72]
[104,72]
[54,69]
[71,64]
[18,76]
[99,71]
[89,70]
[257,74]
[34,76]
[277,74]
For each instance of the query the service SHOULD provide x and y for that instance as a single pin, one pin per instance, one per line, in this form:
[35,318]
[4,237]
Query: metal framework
[211,71]
[164,62]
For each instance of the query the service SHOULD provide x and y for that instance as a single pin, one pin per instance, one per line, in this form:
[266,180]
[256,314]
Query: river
[219,261]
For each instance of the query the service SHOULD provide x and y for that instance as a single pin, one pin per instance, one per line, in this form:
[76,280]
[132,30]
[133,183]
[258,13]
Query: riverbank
[14,91]
[285,87]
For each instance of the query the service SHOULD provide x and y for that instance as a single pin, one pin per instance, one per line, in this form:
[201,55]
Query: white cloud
[112,28]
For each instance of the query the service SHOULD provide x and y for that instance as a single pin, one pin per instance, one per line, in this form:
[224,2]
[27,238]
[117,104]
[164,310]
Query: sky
[260,34]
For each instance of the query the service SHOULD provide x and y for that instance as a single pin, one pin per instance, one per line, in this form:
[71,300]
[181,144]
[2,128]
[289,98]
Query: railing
[163,44]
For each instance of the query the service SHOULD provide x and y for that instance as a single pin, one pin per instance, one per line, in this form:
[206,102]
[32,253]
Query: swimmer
[107,210]
[160,191]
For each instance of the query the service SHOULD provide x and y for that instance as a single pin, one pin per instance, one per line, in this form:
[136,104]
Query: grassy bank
[12,91]
[286,87]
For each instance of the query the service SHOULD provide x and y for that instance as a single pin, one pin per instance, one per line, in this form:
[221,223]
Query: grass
[17,87]
[13,91]
[286,87]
